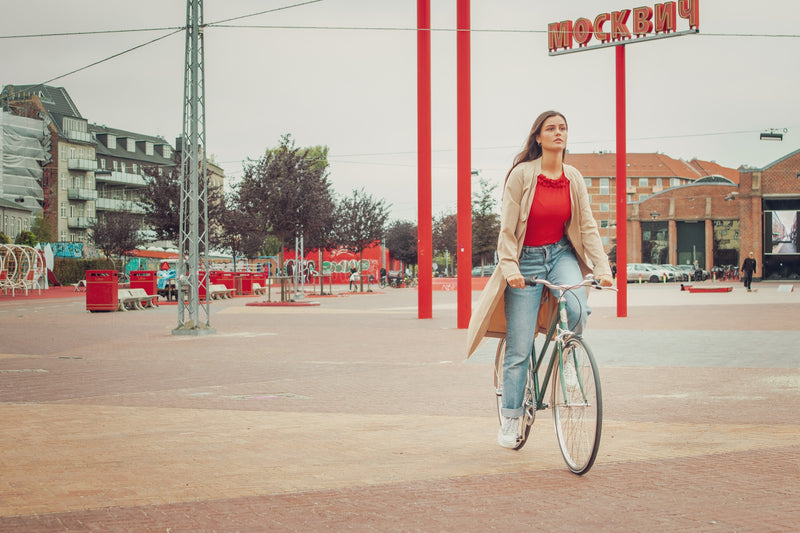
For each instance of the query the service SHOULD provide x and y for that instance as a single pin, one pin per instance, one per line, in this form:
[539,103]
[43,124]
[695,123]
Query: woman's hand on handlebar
[516,281]
[605,280]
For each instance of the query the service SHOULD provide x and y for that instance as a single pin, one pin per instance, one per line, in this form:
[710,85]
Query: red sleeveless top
[550,211]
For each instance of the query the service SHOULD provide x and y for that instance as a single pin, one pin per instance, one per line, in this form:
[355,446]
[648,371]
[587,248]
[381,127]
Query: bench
[218,291]
[258,289]
[134,299]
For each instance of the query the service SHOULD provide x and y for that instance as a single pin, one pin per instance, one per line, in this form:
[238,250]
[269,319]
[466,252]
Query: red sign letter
[599,34]
[642,20]
[619,30]
[583,31]
[665,17]
[559,35]
[688,9]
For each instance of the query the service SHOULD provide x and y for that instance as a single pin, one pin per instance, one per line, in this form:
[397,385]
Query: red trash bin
[101,290]
[147,280]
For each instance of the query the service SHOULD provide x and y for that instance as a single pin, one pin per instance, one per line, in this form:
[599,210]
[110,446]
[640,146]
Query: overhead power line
[97,32]
[111,57]
[262,12]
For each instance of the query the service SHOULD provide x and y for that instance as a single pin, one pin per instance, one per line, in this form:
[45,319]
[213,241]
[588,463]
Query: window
[112,141]
[63,180]
[123,167]
[72,211]
[72,153]
[63,236]
[604,223]
[628,181]
[643,182]
[63,210]
[642,197]
[135,168]
[103,164]
[604,186]
[116,165]
[674,182]
[604,208]
[167,152]
[658,183]
[588,182]
[63,151]
[80,153]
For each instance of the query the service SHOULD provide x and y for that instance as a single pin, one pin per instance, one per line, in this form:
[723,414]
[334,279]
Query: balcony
[120,178]
[82,164]
[74,193]
[81,222]
[114,204]
[78,136]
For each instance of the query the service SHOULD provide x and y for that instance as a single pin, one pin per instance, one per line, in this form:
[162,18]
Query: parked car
[680,275]
[647,272]
[487,270]
[694,274]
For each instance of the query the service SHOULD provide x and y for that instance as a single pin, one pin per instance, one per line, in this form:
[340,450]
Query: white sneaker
[509,434]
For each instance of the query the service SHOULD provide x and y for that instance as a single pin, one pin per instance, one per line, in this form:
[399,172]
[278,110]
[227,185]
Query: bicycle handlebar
[589,281]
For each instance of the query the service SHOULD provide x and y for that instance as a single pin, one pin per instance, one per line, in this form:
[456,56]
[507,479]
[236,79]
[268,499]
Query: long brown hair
[533,150]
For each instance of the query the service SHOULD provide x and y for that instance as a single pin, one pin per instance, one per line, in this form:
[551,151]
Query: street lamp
[772,135]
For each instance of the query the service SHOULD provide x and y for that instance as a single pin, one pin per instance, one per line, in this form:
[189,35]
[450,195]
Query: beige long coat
[488,318]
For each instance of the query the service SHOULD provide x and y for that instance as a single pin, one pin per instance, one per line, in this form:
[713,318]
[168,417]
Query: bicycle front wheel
[577,406]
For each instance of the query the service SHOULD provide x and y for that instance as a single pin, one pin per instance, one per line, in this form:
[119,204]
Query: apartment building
[121,158]
[93,169]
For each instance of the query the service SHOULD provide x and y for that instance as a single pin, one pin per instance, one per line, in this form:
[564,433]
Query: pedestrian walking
[748,269]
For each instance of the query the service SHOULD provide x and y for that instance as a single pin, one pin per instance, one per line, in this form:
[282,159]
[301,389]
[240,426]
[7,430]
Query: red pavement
[356,416]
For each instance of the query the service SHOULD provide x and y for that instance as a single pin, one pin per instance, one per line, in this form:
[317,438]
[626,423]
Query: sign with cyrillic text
[624,26]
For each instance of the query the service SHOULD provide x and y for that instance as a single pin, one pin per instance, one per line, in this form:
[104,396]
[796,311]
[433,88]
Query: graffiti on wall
[67,249]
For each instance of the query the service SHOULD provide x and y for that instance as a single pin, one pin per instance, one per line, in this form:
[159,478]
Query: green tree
[26,238]
[401,239]
[360,221]
[4,238]
[485,224]
[445,235]
[117,233]
[160,200]
[41,229]
[239,232]
[287,191]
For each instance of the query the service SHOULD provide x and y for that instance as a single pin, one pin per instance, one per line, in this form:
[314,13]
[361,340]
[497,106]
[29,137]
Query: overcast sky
[352,85]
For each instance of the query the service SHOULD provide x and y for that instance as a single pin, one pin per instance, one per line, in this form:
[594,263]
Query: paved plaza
[354,415]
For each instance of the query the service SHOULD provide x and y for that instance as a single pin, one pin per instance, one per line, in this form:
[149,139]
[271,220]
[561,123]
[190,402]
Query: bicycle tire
[528,400]
[577,406]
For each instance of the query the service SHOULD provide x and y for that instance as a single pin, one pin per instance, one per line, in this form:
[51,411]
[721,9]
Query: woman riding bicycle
[547,230]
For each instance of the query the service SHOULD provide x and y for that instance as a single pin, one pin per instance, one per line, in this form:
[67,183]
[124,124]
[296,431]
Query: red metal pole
[622,186]
[424,215]
[464,170]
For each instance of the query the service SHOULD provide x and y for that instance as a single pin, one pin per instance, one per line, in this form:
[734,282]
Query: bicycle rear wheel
[577,406]
[528,402]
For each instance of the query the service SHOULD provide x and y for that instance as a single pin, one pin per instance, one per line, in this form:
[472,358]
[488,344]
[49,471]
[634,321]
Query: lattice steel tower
[193,317]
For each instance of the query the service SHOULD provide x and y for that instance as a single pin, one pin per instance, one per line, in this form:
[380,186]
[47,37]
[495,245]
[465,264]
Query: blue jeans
[557,264]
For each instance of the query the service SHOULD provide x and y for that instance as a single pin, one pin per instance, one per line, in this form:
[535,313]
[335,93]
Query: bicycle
[576,397]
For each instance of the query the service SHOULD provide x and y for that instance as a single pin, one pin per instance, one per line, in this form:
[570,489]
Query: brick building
[717,221]
[647,175]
